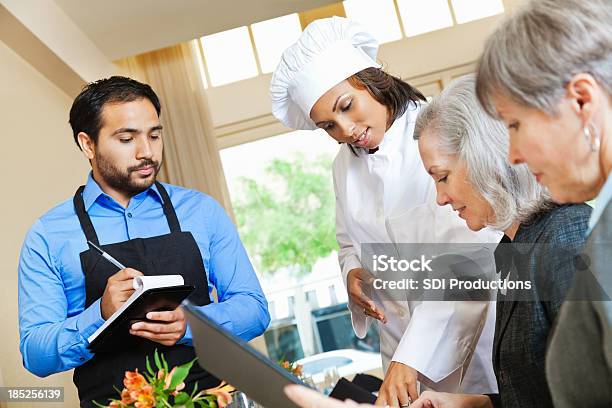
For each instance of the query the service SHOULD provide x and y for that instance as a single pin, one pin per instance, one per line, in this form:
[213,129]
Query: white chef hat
[328,51]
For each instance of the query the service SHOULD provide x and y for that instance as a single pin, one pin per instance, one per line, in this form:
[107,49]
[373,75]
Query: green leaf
[149,369]
[195,389]
[158,363]
[180,373]
[181,398]
[164,363]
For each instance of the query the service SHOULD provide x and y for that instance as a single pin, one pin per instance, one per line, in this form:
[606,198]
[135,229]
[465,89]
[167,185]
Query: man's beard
[122,180]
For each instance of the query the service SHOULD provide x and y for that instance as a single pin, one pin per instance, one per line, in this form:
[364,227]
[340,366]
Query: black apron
[173,253]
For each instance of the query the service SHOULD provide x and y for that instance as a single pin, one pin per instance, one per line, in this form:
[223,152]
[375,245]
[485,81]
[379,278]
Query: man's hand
[357,281]
[119,288]
[165,328]
[399,384]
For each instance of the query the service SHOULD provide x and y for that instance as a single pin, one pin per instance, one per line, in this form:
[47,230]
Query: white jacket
[389,197]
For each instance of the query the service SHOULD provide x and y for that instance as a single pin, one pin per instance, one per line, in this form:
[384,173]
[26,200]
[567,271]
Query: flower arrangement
[294,368]
[165,389]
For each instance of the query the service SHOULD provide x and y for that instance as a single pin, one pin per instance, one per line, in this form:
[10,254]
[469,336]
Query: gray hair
[535,53]
[481,142]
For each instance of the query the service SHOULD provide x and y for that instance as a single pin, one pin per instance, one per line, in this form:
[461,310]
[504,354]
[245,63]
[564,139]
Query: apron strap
[171,217]
[86,224]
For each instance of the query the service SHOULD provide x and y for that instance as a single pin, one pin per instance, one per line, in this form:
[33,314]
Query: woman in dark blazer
[464,151]
[547,73]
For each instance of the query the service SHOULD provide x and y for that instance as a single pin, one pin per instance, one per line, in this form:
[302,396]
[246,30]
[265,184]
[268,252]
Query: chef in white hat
[330,79]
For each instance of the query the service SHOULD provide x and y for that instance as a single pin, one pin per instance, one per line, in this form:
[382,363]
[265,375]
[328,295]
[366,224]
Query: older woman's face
[554,147]
[452,185]
[351,115]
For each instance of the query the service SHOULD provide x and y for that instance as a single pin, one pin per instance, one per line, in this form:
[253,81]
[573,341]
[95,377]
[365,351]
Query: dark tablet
[230,358]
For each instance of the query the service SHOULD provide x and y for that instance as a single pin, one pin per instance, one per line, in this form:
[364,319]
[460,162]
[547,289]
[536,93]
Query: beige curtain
[191,155]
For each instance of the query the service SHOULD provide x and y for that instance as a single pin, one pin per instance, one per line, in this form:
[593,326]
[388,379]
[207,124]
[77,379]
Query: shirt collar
[603,198]
[93,191]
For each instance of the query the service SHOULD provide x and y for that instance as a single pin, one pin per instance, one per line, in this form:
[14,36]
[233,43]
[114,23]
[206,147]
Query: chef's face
[128,153]
[452,185]
[554,147]
[351,115]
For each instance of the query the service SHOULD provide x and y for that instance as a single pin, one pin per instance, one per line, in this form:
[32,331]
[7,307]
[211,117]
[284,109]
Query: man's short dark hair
[86,111]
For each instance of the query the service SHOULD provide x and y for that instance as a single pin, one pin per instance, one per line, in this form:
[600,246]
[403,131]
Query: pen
[106,256]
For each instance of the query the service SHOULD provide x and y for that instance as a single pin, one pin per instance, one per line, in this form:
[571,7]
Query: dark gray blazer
[579,360]
[522,327]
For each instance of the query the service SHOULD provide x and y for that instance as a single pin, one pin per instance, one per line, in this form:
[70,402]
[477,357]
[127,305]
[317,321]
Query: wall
[41,166]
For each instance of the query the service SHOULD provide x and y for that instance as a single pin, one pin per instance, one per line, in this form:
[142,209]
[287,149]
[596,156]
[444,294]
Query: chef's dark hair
[387,90]
[86,111]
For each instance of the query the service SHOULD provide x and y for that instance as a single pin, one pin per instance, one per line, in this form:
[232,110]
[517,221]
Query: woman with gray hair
[464,151]
[547,73]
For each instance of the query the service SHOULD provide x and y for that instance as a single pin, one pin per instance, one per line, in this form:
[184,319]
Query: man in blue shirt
[66,291]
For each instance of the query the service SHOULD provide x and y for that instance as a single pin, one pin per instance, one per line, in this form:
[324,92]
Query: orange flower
[297,370]
[168,381]
[286,365]
[222,392]
[134,381]
[145,398]
[126,398]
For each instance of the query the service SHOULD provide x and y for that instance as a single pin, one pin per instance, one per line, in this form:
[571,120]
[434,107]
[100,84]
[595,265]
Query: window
[283,342]
[420,17]
[311,298]
[282,193]
[334,330]
[229,56]
[470,10]
[272,37]
[378,16]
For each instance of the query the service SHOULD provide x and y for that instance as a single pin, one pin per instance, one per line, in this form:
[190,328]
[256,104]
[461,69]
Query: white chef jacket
[389,197]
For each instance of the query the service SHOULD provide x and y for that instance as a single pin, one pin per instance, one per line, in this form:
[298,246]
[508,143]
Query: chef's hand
[162,327]
[432,399]
[400,383]
[119,288]
[357,281]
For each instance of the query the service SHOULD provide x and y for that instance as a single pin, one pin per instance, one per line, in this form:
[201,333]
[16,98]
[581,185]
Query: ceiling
[122,28]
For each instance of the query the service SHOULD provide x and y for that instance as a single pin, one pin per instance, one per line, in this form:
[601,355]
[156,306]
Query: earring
[592,137]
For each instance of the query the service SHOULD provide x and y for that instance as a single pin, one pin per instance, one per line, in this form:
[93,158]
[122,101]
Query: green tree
[288,221]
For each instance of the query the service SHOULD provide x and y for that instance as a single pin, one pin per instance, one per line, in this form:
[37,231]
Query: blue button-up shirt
[53,321]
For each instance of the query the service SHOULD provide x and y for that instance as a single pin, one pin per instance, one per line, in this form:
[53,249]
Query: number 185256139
[33,394]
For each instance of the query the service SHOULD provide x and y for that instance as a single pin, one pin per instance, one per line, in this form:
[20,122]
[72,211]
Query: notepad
[151,293]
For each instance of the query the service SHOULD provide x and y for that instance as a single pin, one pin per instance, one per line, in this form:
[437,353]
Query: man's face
[128,153]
